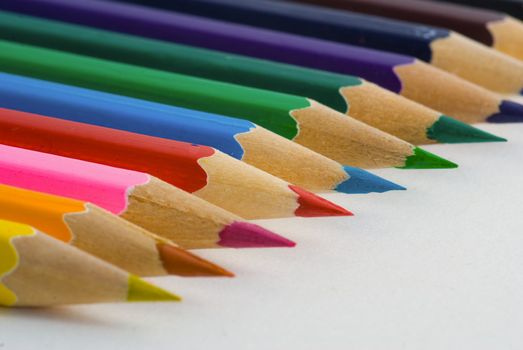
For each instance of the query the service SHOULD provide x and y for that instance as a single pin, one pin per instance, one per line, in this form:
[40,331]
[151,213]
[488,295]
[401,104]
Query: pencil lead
[509,112]
[362,181]
[422,159]
[246,235]
[450,130]
[140,291]
[180,262]
[312,205]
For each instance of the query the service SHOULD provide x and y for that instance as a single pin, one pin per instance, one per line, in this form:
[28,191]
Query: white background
[436,267]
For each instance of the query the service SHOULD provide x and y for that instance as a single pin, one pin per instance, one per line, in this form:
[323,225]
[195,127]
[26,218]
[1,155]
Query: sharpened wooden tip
[446,93]
[347,140]
[478,64]
[180,262]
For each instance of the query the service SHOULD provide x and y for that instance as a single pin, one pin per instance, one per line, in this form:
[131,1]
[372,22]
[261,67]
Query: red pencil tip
[246,235]
[312,205]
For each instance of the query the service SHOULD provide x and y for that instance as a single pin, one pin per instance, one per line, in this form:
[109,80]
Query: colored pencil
[443,48]
[401,74]
[209,173]
[296,118]
[365,101]
[240,139]
[137,197]
[495,29]
[100,233]
[38,270]
[512,7]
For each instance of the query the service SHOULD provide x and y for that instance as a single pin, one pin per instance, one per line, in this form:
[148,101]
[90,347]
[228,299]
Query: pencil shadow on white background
[59,315]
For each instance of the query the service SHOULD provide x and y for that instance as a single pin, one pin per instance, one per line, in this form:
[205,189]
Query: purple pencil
[401,74]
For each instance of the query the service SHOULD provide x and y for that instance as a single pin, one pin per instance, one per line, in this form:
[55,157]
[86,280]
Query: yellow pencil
[38,270]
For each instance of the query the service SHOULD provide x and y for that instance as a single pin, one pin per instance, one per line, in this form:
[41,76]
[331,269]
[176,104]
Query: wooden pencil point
[408,120]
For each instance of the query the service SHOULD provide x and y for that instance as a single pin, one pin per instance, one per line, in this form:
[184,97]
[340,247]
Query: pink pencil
[135,196]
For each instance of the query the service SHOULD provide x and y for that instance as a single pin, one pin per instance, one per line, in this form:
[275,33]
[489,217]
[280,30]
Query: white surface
[436,267]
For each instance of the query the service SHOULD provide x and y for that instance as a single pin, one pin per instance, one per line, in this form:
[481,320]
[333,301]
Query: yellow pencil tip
[140,291]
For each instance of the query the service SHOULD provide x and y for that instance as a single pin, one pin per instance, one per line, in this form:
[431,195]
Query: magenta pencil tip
[246,235]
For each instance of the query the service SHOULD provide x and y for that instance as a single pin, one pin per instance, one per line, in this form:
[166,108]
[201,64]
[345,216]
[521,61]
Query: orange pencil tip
[178,261]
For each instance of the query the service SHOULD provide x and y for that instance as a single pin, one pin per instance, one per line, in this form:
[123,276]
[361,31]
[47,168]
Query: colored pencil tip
[361,181]
[422,159]
[509,112]
[177,261]
[450,130]
[247,235]
[140,291]
[312,205]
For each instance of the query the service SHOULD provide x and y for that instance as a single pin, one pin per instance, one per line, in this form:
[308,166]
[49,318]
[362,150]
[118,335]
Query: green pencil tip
[421,159]
[139,290]
[450,130]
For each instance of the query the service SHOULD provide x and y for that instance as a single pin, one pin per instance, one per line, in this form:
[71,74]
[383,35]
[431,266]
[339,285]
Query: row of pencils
[132,132]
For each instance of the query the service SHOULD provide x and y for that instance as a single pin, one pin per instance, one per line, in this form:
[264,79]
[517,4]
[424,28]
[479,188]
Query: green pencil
[364,101]
[305,121]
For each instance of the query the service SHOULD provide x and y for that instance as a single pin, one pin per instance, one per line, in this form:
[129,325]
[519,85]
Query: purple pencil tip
[509,112]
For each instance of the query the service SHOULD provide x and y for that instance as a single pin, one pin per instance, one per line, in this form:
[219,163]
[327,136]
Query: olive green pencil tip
[450,130]
[421,159]
[140,291]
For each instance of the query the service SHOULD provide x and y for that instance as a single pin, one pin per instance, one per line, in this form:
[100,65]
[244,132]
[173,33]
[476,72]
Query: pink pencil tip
[246,235]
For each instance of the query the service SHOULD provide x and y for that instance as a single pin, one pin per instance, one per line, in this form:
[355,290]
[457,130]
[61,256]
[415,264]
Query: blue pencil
[239,138]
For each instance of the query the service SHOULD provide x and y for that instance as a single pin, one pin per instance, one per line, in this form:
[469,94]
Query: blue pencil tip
[362,181]
[509,112]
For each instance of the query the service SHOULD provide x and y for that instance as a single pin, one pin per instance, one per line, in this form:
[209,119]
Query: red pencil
[201,170]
